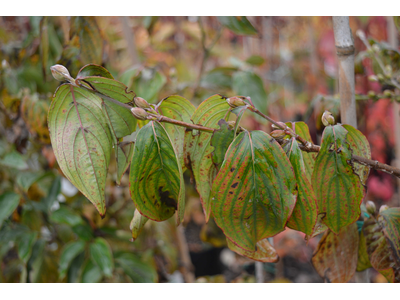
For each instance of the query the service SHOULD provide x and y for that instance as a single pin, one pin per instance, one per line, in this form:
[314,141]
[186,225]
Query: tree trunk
[345,53]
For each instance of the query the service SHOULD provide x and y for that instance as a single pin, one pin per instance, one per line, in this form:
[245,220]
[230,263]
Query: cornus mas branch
[305,145]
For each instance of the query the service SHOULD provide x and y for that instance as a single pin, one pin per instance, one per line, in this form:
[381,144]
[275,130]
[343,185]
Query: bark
[345,53]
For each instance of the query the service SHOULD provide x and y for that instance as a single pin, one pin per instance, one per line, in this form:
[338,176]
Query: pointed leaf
[137,224]
[239,25]
[221,139]
[360,146]
[265,252]
[155,179]
[94,70]
[254,193]
[124,154]
[91,273]
[69,252]
[8,203]
[302,130]
[136,269]
[81,141]
[178,108]
[101,255]
[25,244]
[90,39]
[64,215]
[390,223]
[198,150]
[304,216]
[339,191]
[319,227]
[363,262]
[335,258]
[249,84]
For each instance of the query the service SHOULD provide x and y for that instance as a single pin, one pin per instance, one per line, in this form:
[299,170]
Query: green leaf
[249,84]
[54,190]
[83,231]
[363,262]
[35,263]
[265,252]
[304,216]
[26,179]
[390,223]
[93,70]
[81,141]
[339,191]
[8,203]
[90,39]
[101,255]
[75,268]
[255,60]
[221,139]
[198,150]
[156,180]
[14,160]
[137,224]
[148,86]
[335,258]
[91,273]
[239,25]
[25,244]
[68,253]
[178,108]
[137,270]
[302,130]
[360,146]
[44,44]
[254,192]
[64,215]
[124,155]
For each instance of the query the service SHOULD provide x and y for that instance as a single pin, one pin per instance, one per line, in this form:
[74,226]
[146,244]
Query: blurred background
[49,232]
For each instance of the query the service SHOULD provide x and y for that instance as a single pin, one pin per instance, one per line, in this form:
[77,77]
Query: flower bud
[380,77]
[383,208]
[371,208]
[373,78]
[376,48]
[280,123]
[139,113]
[328,119]
[388,93]
[371,94]
[140,102]
[278,134]
[60,73]
[235,102]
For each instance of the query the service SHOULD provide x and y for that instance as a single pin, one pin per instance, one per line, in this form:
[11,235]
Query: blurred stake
[130,39]
[187,266]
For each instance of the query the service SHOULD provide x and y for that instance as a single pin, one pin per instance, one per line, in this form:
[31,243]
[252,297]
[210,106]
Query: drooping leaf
[90,39]
[101,255]
[25,244]
[339,191]
[302,130]
[178,108]
[93,70]
[124,153]
[81,141]
[390,223]
[155,179]
[254,192]
[319,227]
[360,146]
[304,216]
[221,139]
[239,25]
[137,224]
[265,252]
[91,273]
[69,252]
[249,84]
[335,258]
[363,262]
[137,270]
[379,250]
[8,203]
[198,151]
[44,44]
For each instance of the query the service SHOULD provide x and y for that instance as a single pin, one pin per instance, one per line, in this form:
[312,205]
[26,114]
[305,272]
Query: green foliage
[239,25]
[8,203]
[101,255]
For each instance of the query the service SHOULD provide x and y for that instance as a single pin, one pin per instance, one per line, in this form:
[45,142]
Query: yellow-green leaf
[265,252]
